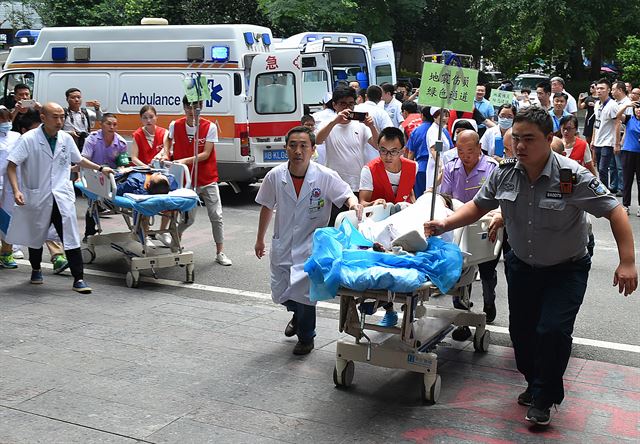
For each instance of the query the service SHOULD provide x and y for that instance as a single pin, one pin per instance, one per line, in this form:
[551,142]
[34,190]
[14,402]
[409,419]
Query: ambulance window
[315,86]
[383,74]
[275,93]
[8,83]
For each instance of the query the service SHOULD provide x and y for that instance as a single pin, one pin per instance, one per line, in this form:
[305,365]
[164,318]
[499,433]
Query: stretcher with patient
[412,343]
[138,212]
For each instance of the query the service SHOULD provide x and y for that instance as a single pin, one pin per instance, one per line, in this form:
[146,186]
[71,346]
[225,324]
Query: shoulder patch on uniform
[508,162]
[597,187]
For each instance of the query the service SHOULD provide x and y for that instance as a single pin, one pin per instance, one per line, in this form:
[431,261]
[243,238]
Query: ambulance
[256,92]
[347,56]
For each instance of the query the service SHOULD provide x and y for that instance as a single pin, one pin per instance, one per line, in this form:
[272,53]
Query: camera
[357,115]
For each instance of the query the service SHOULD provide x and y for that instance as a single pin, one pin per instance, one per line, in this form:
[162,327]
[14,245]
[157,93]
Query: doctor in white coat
[301,194]
[46,196]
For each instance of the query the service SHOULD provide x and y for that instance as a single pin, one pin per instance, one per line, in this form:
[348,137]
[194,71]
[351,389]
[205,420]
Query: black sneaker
[539,415]
[461,333]
[490,311]
[303,348]
[291,327]
[525,398]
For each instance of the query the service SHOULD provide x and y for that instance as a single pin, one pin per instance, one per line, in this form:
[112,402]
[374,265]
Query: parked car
[528,81]
[492,79]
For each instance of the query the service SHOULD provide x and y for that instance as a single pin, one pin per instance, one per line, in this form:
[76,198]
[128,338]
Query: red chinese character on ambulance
[272,63]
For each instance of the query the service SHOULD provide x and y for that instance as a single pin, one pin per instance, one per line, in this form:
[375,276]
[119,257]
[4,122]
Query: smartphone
[28,103]
[90,103]
[357,115]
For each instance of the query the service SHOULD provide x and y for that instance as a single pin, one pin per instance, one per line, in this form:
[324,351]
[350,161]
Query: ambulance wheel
[343,373]
[190,274]
[88,255]
[431,390]
[481,344]
[132,279]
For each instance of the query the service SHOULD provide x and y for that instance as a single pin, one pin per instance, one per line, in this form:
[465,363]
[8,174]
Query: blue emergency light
[311,38]
[357,40]
[59,54]
[248,38]
[220,54]
[266,39]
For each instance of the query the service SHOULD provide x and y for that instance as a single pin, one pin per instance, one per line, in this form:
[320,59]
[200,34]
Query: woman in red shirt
[575,147]
[149,139]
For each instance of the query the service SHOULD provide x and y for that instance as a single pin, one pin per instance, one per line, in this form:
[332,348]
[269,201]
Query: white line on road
[266,296]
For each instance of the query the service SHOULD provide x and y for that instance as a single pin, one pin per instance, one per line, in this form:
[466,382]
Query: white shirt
[348,150]
[624,102]
[587,153]
[380,117]
[394,109]
[212,134]
[432,137]
[488,140]
[324,115]
[605,123]
[366,179]
[572,106]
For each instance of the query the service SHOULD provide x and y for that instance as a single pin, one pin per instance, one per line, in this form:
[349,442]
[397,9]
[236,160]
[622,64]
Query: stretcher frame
[106,192]
[411,345]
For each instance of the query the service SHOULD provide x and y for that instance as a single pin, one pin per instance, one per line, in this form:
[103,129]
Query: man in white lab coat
[46,195]
[301,193]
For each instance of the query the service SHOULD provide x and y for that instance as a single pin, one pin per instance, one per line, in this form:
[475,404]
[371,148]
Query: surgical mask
[505,123]
[5,127]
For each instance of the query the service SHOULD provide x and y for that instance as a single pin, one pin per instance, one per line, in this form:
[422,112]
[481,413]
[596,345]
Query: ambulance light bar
[59,53]
[357,40]
[266,39]
[248,38]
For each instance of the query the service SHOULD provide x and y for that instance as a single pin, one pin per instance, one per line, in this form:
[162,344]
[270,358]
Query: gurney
[411,344]
[135,210]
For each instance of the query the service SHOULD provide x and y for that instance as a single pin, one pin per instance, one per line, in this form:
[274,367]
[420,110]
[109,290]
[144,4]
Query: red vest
[577,153]
[455,115]
[146,153]
[183,148]
[410,123]
[382,187]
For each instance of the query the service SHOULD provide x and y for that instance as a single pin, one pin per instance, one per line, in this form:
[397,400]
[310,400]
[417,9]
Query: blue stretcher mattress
[148,207]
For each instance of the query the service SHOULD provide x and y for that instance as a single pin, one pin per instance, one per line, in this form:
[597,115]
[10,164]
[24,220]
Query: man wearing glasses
[348,142]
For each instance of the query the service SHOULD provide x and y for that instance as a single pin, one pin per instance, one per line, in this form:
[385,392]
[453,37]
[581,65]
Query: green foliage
[629,57]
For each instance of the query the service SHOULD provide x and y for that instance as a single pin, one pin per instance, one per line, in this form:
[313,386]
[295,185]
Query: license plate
[274,155]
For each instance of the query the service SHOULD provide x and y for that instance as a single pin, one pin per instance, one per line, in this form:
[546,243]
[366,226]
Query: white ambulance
[348,57]
[255,91]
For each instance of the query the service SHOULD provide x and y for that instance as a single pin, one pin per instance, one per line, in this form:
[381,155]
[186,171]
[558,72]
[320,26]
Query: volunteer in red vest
[574,147]
[148,140]
[388,179]
[181,134]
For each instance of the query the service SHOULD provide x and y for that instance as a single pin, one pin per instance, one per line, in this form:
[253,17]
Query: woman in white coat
[46,195]
[301,193]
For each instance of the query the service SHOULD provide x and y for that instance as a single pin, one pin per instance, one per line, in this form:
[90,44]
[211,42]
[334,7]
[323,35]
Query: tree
[629,57]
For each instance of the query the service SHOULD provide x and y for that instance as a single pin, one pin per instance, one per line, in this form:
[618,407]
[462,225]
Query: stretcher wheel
[132,279]
[343,373]
[190,274]
[481,344]
[88,255]
[431,390]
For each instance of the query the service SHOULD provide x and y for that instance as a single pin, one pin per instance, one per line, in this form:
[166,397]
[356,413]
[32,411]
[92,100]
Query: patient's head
[158,184]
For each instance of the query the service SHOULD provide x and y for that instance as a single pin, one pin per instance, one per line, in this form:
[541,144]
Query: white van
[255,91]
[349,58]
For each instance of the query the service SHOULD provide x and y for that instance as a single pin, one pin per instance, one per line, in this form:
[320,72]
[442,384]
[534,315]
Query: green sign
[448,87]
[196,89]
[499,97]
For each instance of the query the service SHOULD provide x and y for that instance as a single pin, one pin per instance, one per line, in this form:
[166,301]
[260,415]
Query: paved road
[605,315]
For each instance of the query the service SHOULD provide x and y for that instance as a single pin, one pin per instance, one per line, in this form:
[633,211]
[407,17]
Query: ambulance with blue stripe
[256,92]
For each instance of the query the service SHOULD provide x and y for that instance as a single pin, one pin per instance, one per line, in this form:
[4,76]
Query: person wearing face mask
[492,141]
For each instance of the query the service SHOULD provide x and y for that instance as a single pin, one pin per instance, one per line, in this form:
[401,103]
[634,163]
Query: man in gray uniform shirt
[543,197]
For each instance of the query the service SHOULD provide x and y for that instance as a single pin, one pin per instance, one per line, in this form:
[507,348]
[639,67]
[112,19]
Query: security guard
[543,197]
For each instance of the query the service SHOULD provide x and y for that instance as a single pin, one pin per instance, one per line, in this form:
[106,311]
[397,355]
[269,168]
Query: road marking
[266,296]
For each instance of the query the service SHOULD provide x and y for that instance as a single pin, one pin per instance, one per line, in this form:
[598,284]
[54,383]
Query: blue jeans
[617,181]
[543,305]
[605,154]
[305,316]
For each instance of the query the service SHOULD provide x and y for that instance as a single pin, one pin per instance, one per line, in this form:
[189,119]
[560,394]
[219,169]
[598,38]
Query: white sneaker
[164,238]
[222,259]
[18,254]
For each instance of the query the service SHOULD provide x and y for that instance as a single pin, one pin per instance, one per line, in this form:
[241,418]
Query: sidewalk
[164,365]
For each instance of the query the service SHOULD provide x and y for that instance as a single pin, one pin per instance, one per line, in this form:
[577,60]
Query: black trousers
[630,168]
[543,305]
[74,256]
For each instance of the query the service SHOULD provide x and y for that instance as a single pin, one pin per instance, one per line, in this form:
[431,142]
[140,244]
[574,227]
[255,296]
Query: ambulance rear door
[383,63]
[275,104]
[316,79]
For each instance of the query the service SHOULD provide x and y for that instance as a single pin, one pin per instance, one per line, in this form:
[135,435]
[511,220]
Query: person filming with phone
[24,103]
[350,138]
[79,120]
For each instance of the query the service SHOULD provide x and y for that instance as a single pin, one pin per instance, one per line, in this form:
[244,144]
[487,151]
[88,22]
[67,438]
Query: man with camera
[23,103]
[79,120]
